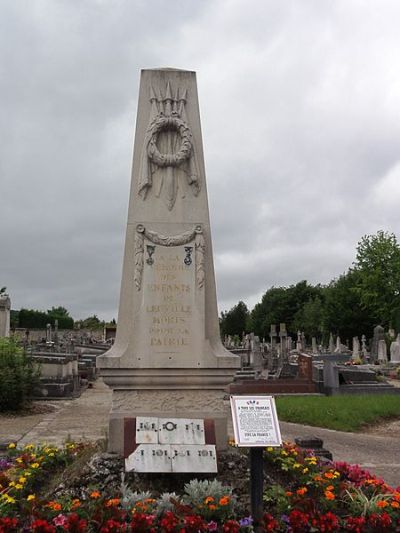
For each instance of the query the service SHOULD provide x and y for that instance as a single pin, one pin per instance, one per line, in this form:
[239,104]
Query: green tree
[280,304]
[378,267]
[91,322]
[310,318]
[19,375]
[65,321]
[234,321]
[343,312]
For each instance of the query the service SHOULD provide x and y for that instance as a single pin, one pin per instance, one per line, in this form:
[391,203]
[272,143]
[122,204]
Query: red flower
[194,523]
[380,522]
[113,526]
[299,521]
[76,524]
[355,524]
[142,523]
[231,526]
[270,524]
[42,526]
[169,522]
[7,525]
[326,522]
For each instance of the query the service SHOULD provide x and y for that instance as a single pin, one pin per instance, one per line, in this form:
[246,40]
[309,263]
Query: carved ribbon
[169,240]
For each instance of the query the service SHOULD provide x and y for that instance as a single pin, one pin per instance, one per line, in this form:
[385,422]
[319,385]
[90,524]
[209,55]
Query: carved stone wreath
[196,234]
[162,123]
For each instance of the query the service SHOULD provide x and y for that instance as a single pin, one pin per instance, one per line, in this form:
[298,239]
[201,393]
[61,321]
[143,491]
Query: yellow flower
[51,454]
[11,484]
[29,447]
[12,445]
[297,465]
[31,497]
[305,470]
[35,465]
[18,486]
[270,449]
[22,479]
[19,460]
[284,453]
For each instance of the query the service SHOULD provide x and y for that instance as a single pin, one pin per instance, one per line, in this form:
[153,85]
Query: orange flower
[301,491]
[395,505]
[95,495]
[113,502]
[208,500]
[329,495]
[382,504]
[54,506]
[224,500]
[212,507]
[75,504]
[328,475]
[289,493]
[330,487]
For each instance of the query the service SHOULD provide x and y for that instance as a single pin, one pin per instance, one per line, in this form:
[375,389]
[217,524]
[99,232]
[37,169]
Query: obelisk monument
[168,359]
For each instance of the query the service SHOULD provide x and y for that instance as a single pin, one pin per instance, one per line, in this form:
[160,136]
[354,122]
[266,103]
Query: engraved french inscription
[169,285]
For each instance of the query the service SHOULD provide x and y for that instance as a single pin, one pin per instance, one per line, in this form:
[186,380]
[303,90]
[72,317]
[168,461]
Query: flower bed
[304,494]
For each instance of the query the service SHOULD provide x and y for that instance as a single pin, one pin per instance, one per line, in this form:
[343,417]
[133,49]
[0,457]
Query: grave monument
[5,306]
[168,359]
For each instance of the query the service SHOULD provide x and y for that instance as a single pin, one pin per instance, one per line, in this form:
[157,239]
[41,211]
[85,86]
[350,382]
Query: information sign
[255,422]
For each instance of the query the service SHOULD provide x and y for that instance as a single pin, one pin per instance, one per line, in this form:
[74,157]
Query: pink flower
[212,526]
[60,520]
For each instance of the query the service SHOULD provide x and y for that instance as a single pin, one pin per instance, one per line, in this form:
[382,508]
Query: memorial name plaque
[255,421]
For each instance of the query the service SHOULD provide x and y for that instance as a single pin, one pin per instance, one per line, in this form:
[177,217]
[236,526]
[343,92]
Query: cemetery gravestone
[5,306]
[168,359]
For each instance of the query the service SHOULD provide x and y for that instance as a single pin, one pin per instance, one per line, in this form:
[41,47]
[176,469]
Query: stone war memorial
[167,362]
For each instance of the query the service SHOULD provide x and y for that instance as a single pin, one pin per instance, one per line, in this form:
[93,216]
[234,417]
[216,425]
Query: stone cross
[168,359]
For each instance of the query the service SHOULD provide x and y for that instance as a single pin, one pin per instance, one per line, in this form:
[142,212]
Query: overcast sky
[300,109]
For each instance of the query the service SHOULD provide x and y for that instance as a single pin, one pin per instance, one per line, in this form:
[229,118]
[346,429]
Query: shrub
[19,374]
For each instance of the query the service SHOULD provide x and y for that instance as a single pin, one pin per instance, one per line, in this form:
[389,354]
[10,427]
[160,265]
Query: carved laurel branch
[169,240]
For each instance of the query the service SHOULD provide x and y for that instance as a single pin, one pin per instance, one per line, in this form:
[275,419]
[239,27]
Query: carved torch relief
[168,161]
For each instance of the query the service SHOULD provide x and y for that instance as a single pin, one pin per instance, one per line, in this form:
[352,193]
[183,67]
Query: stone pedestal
[5,306]
[168,359]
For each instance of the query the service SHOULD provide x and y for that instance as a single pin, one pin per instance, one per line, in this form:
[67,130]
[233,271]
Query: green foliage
[18,376]
[234,322]
[280,304]
[310,318]
[91,322]
[31,318]
[343,413]
[378,267]
[343,309]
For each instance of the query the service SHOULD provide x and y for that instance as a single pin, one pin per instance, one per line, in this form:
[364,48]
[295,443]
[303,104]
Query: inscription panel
[168,299]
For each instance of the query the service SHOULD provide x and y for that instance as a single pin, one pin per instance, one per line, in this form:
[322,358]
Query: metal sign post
[255,425]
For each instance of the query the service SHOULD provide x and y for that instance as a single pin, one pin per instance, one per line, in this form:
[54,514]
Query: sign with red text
[255,421]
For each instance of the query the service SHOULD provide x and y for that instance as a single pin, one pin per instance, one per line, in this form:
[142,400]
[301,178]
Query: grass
[343,413]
